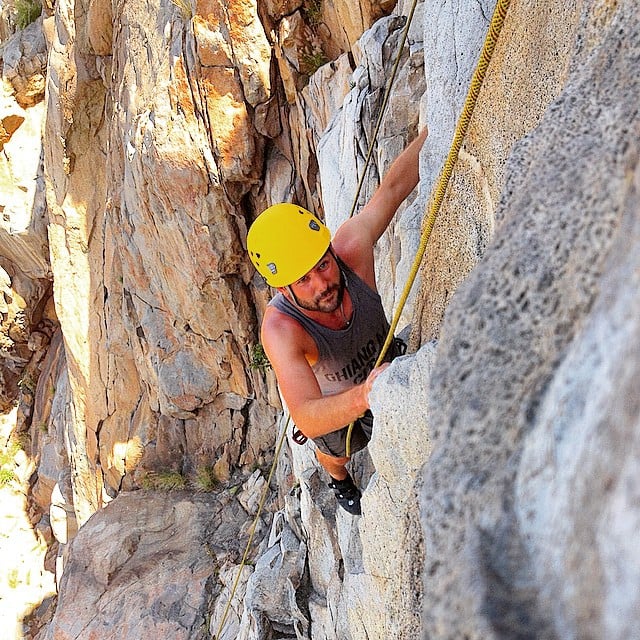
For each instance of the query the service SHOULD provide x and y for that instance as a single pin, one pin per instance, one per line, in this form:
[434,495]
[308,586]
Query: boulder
[145,566]
[529,398]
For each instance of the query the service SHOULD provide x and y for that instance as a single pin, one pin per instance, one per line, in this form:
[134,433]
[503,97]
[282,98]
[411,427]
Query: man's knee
[334,460]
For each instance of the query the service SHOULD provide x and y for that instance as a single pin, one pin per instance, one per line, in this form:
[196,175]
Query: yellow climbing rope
[462,126]
[252,532]
[495,27]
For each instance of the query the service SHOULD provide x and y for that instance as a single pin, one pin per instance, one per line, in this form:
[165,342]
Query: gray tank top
[346,356]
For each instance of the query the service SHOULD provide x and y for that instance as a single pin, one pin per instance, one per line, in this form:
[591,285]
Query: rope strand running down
[495,27]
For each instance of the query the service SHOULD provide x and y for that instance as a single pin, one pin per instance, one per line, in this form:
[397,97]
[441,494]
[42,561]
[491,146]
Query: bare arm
[355,238]
[287,347]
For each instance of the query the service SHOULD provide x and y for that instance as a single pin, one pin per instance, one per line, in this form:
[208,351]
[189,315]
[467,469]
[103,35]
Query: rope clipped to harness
[495,27]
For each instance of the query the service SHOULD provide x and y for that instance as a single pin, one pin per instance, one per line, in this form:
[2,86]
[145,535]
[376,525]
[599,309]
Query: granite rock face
[528,69]
[500,486]
[532,413]
[155,581]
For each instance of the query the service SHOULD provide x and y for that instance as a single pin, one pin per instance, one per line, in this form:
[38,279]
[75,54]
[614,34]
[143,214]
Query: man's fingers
[373,375]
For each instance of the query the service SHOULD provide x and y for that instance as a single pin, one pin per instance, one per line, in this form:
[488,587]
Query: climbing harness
[495,27]
[462,126]
[297,436]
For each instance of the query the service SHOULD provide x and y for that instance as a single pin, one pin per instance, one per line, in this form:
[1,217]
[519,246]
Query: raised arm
[355,238]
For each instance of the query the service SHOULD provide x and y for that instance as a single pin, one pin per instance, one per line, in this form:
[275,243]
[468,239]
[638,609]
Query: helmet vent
[313,225]
[272,267]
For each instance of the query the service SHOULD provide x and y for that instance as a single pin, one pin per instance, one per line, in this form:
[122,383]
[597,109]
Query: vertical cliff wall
[158,126]
[501,484]
[534,407]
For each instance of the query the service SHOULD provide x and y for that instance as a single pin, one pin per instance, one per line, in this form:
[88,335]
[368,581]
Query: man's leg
[347,494]
[335,467]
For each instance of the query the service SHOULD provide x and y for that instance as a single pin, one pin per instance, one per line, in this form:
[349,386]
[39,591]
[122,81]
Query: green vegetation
[313,57]
[26,12]
[8,455]
[259,358]
[27,383]
[311,61]
[12,578]
[164,481]
[186,8]
[7,477]
[20,441]
[206,479]
[313,11]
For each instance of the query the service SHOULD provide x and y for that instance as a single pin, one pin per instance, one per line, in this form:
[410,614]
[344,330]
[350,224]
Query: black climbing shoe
[347,494]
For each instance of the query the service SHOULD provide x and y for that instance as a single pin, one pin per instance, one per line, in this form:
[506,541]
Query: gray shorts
[335,443]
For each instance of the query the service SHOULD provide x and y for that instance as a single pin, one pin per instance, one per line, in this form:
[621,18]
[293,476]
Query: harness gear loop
[297,436]
[495,27]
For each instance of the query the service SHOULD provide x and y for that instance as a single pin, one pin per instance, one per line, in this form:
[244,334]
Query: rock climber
[324,329]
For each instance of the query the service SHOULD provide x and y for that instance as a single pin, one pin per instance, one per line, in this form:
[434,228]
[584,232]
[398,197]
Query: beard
[328,301]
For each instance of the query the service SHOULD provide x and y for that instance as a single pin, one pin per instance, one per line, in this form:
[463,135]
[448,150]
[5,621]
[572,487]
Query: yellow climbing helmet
[285,242]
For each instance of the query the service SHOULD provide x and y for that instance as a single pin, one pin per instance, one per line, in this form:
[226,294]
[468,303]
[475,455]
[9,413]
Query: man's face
[321,288]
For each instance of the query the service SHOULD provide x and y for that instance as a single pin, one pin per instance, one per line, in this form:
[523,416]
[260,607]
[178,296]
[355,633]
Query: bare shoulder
[284,338]
[277,326]
[355,249]
[275,321]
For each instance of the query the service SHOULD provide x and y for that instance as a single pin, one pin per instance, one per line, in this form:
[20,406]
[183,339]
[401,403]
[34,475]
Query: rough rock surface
[527,71]
[24,266]
[345,143]
[162,553]
[501,482]
[533,412]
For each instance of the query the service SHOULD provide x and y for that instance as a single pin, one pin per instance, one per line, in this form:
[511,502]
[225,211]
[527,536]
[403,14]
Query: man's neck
[337,319]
